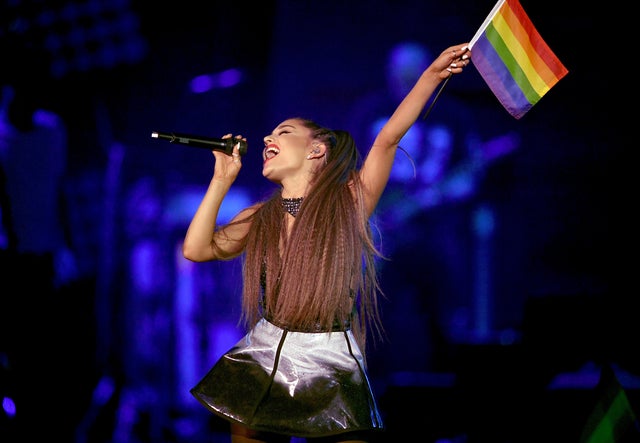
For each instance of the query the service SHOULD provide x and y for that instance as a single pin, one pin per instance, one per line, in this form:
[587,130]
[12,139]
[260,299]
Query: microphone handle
[225,145]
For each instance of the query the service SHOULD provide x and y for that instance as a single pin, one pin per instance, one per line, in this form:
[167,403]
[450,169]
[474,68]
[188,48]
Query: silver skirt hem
[293,383]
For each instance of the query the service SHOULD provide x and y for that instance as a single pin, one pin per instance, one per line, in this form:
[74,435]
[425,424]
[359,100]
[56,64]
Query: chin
[271,175]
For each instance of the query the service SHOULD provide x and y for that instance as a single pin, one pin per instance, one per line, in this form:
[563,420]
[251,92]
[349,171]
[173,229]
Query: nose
[267,139]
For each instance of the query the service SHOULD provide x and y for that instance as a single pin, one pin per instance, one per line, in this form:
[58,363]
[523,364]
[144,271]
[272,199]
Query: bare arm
[379,160]
[201,234]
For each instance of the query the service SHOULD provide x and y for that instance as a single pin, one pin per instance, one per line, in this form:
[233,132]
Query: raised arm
[202,241]
[379,160]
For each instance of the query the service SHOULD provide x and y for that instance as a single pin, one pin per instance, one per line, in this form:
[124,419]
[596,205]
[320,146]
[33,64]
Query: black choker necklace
[292,205]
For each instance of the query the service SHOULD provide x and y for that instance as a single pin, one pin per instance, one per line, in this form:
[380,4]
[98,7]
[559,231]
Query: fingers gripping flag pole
[513,59]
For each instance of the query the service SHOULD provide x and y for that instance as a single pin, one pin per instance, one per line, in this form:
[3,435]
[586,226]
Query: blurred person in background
[36,259]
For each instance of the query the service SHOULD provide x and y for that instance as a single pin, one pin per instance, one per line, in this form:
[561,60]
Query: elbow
[186,253]
[190,253]
[196,253]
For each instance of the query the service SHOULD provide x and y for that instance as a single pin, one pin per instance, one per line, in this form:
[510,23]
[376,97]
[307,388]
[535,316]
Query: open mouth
[269,152]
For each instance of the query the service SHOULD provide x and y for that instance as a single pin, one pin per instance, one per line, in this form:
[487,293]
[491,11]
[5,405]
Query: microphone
[216,144]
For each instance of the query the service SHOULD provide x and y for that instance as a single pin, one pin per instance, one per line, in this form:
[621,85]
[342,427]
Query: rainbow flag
[514,60]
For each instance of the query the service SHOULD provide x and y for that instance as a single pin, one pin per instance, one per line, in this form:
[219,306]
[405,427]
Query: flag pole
[479,32]
[433,102]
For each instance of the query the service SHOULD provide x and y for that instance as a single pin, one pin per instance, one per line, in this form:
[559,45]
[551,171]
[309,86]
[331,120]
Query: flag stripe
[530,49]
[538,48]
[511,41]
[514,60]
[515,73]
[498,78]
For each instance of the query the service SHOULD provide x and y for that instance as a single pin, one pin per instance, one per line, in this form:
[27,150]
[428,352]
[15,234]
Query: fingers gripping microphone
[216,144]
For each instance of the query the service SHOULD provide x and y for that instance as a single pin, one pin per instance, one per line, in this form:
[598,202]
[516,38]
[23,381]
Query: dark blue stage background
[506,281]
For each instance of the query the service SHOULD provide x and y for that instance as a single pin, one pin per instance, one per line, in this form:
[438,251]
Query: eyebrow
[285,126]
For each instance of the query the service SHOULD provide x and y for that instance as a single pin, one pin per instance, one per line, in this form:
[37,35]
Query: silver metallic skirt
[305,384]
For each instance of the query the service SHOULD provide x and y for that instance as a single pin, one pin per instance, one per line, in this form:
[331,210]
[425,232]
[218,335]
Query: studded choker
[292,205]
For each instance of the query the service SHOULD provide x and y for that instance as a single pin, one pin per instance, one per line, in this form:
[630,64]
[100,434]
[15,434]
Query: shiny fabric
[293,383]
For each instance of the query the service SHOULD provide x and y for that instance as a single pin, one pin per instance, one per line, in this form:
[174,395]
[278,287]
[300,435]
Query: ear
[318,151]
